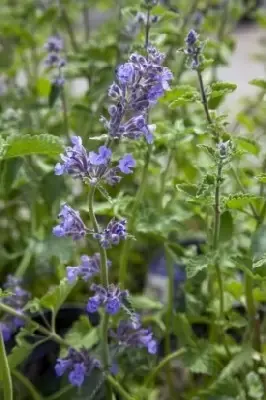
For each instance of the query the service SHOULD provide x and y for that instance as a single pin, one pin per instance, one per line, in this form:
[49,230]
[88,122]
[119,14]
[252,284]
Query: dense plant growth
[132,208]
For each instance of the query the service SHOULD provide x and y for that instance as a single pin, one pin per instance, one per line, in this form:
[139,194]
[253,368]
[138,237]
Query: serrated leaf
[261,178]
[237,363]
[82,334]
[240,200]
[226,227]
[187,188]
[54,93]
[254,384]
[246,121]
[145,303]
[249,145]
[57,295]
[219,89]
[20,146]
[261,83]
[210,150]
[195,266]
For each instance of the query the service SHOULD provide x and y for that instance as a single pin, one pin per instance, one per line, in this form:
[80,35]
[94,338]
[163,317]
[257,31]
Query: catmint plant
[140,83]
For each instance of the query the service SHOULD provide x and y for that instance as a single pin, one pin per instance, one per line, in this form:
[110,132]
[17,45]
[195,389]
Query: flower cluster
[88,268]
[130,334]
[54,47]
[140,83]
[70,225]
[111,298]
[17,300]
[93,166]
[193,48]
[78,365]
[114,232]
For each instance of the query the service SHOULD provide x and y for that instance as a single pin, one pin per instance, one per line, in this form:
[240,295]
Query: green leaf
[181,95]
[5,375]
[258,243]
[254,384]
[249,145]
[226,227]
[261,83]
[261,178]
[246,121]
[241,360]
[195,266]
[55,91]
[20,146]
[82,334]
[145,303]
[240,200]
[219,89]
[187,188]
[182,329]
[23,348]
[209,150]
[57,295]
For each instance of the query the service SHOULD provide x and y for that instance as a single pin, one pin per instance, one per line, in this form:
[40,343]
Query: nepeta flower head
[130,334]
[17,299]
[114,232]
[126,163]
[193,48]
[89,267]
[140,83]
[111,298]
[191,38]
[102,158]
[70,225]
[75,160]
[54,44]
[78,365]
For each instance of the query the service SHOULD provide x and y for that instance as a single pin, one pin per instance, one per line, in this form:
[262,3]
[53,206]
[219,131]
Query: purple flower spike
[131,334]
[54,44]
[115,231]
[110,298]
[191,38]
[102,158]
[78,365]
[126,163]
[71,224]
[75,160]
[6,331]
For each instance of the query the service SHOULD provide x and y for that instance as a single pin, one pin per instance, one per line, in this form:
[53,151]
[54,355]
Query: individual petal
[77,375]
[102,157]
[93,304]
[126,163]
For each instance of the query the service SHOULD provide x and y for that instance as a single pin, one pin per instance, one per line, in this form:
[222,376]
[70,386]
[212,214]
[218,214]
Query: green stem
[61,392]
[105,283]
[116,385]
[27,383]
[204,97]
[131,222]
[170,357]
[14,313]
[5,372]
[164,175]
[169,319]
[241,187]
[25,262]
[65,113]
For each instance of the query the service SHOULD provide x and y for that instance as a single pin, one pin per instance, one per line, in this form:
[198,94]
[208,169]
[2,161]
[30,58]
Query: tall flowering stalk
[139,84]
[154,72]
